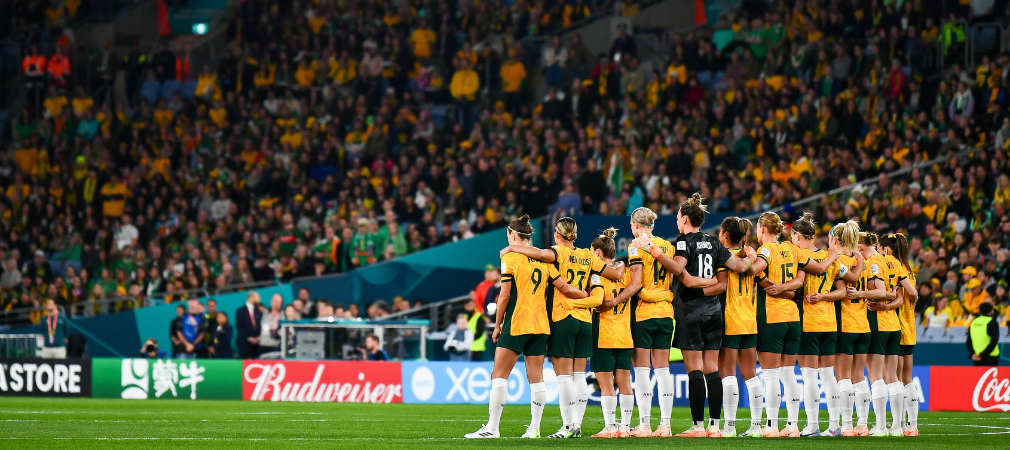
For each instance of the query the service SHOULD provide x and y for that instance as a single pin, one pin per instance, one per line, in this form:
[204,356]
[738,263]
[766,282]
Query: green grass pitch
[30,423]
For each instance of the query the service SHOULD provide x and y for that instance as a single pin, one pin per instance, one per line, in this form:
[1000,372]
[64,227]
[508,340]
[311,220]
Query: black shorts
[781,338]
[853,343]
[699,333]
[610,359]
[886,343]
[907,350]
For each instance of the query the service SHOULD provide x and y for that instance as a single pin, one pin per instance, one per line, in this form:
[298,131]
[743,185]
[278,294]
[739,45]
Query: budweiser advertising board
[964,388]
[322,381]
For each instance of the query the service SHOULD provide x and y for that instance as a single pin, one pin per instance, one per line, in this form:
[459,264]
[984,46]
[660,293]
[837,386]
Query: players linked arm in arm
[614,272]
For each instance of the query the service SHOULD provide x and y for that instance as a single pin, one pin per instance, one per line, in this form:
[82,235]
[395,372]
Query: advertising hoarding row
[942,388]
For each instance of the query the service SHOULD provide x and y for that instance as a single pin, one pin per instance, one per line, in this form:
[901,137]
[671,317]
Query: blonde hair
[644,216]
[567,228]
[605,243]
[847,234]
[771,222]
[694,210]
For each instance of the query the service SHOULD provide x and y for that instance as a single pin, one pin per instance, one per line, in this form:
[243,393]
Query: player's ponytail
[868,239]
[605,243]
[644,217]
[522,227]
[737,228]
[805,226]
[694,209]
[898,244]
[847,234]
[567,229]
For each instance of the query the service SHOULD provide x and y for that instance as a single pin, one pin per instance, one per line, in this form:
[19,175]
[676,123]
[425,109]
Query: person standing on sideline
[983,337]
[248,327]
[459,339]
[54,345]
[191,333]
[476,323]
[220,340]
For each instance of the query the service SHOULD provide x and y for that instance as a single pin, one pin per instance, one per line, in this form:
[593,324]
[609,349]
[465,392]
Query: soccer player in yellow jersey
[825,274]
[571,340]
[778,321]
[739,338]
[894,247]
[521,328]
[699,315]
[612,343]
[897,245]
[871,288]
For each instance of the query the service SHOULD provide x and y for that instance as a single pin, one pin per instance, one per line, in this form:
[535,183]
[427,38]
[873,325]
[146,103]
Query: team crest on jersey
[682,246]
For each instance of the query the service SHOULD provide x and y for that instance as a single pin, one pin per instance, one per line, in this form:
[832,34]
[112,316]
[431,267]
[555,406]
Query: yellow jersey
[526,312]
[854,311]
[820,317]
[655,300]
[782,266]
[613,328]
[894,272]
[906,316]
[741,302]
[576,265]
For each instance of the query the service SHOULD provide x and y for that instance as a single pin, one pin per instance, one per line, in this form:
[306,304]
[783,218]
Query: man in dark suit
[247,327]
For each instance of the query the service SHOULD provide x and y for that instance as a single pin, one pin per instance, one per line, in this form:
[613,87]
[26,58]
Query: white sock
[831,395]
[878,392]
[896,392]
[811,397]
[913,406]
[609,403]
[643,395]
[792,393]
[582,390]
[756,392]
[862,395]
[847,397]
[496,403]
[566,399]
[664,383]
[773,396]
[627,408]
[730,400]
[538,397]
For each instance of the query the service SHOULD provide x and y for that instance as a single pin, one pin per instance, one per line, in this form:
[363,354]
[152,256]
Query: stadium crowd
[334,135]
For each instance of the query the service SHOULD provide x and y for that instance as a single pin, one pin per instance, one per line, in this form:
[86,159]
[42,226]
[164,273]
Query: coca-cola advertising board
[963,388]
[322,381]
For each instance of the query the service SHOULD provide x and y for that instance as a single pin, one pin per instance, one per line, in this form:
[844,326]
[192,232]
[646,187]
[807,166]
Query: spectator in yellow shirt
[114,195]
[265,76]
[513,75]
[304,76]
[55,103]
[218,114]
[82,102]
[163,116]
[421,38]
[974,295]
[464,86]
[292,137]
[206,84]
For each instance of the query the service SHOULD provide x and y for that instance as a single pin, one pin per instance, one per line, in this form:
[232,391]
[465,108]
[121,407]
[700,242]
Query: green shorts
[781,338]
[653,333]
[524,344]
[740,341]
[610,359]
[818,343]
[853,343]
[885,343]
[906,350]
[570,338]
